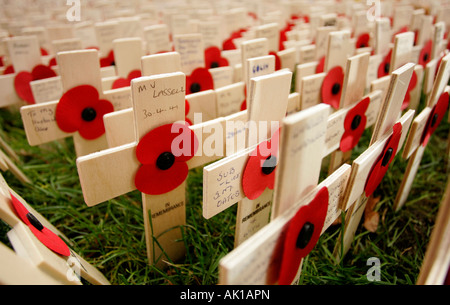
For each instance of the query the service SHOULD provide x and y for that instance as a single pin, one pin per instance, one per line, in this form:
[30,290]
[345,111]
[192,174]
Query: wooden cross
[415,144]
[157,100]
[435,266]
[364,177]
[259,259]
[222,181]
[35,256]
[127,59]
[76,68]
[309,80]
[24,53]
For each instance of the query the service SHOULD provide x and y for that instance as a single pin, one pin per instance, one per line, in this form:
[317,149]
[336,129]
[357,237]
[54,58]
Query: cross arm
[108,173]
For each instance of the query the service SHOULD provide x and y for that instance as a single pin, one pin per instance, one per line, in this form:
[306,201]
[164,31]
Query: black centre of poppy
[356,121]
[387,156]
[336,88]
[305,235]
[434,119]
[195,87]
[269,165]
[363,45]
[36,223]
[425,56]
[88,114]
[214,64]
[387,66]
[165,160]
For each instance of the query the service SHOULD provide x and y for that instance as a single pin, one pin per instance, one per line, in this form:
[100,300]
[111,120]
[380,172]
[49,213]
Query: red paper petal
[202,77]
[125,82]
[277,60]
[411,86]
[383,68]
[315,213]
[351,137]
[334,77]
[52,62]
[41,72]
[22,86]
[96,128]
[160,139]
[120,83]
[378,171]
[151,180]
[228,44]
[438,111]
[47,237]
[108,60]
[254,181]
[186,107]
[9,70]
[425,53]
[321,65]
[363,40]
[134,74]
[44,52]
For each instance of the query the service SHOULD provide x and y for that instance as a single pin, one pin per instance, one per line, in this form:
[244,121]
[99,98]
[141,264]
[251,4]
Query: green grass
[111,234]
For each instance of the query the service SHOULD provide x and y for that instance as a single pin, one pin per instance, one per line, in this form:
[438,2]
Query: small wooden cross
[158,100]
[421,128]
[25,56]
[127,60]
[388,131]
[63,267]
[260,259]
[223,180]
[310,77]
[77,69]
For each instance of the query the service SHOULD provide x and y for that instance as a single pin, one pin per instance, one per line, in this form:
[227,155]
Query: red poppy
[125,82]
[403,29]
[438,65]
[214,59]
[44,52]
[259,172]
[228,44]
[163,162]
[199,80]
[47,237]
[363,40]
[354,125]
[107,60]
[80,109]
[302,235]
[277,60]
[425,53]
[9,70]
[52,62]
[381,166]
[283,35]
[411,86]
[321,65]
[186,111]
[244,102]
[332,87]
[22,81]
[384,67]
[435,118]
